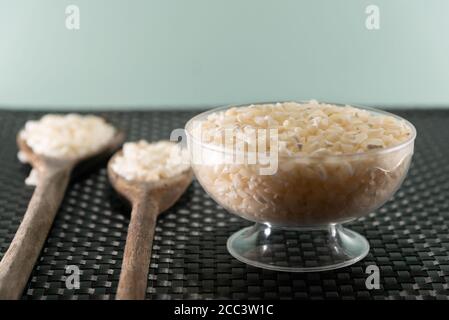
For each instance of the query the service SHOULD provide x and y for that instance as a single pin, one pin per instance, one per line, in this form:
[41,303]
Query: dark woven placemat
[409,236]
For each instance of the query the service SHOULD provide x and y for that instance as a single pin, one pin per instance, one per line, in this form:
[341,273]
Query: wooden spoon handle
[24,250]
[136,258]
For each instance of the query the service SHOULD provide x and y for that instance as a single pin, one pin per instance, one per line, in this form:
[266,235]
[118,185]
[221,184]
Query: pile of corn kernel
[316,182]
[64,136]
[67,136]
[143,161]
[309,128]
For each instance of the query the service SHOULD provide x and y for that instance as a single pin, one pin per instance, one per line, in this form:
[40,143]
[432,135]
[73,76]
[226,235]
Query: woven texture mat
[409,236]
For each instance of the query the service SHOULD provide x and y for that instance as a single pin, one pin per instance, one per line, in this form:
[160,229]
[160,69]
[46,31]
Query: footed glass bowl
[299,208]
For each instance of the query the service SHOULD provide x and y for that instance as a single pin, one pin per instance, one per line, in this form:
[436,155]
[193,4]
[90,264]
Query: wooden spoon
[53,178]
[148,200]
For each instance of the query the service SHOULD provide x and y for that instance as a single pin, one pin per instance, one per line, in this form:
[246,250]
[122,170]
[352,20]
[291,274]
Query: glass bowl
[299,207]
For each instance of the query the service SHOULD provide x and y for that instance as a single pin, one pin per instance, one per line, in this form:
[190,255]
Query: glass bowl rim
[302,155]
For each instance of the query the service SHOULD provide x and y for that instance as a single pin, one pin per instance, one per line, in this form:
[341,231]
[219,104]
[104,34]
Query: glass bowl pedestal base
[298,250]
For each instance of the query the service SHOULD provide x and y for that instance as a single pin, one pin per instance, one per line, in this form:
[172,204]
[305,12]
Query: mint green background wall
[197,53]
